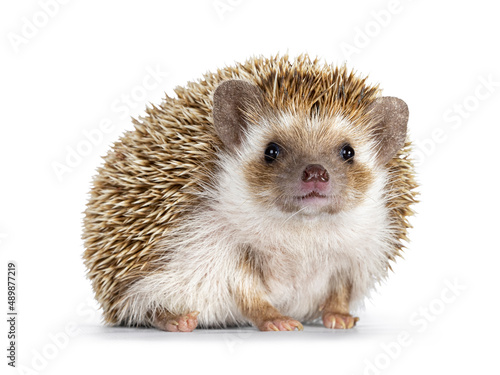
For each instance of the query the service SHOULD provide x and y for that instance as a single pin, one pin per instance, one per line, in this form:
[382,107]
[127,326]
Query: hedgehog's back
[147,181]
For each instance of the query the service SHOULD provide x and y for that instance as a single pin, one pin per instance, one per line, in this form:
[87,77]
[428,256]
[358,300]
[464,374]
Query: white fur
[303,258]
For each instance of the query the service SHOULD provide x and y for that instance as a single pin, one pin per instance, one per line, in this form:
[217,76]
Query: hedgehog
[271,193]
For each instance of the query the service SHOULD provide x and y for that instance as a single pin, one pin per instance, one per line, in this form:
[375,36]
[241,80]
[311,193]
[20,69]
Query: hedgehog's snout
[315,179]
[315,173]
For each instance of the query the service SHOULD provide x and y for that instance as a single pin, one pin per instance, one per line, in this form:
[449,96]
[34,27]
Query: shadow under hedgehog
[272,192]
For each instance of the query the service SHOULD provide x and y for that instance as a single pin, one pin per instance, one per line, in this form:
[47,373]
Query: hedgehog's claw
[339,321]
[281,324]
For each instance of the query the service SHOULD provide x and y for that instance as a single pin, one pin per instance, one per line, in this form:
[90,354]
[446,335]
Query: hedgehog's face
[303,163]
[307,165]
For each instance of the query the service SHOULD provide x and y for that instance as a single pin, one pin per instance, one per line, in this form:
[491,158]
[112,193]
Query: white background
[70,71]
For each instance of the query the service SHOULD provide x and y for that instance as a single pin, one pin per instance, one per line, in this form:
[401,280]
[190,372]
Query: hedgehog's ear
[231,98]
[390,117]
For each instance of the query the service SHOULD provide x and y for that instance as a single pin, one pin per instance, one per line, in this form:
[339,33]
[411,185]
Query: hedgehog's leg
[175,323]
[265,316]
[251,300]
[336,310]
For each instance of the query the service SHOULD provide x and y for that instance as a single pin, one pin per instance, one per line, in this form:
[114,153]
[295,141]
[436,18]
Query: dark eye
[272,152]
[347,152]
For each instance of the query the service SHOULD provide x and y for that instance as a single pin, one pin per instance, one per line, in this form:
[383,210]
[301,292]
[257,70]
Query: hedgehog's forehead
[302,131]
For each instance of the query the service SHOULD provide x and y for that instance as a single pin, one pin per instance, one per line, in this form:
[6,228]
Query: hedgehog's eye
[347,152]
[272,152]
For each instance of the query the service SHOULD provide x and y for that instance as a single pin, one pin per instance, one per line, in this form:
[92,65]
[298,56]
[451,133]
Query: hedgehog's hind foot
[180,323]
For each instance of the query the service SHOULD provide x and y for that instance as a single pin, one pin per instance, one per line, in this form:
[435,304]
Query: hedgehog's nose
[315,172]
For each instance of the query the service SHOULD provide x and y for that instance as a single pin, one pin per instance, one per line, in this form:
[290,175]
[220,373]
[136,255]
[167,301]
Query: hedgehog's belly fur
[299,298]
[296,289]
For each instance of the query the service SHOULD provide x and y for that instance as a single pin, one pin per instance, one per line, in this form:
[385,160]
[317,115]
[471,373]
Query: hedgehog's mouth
[312,195]
[313,200]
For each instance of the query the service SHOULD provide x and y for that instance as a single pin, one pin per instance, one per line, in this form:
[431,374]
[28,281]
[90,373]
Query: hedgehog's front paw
[342,321]
[283,323]
[182,323]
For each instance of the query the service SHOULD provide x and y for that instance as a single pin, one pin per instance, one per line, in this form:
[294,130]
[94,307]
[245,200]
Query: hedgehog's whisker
[295,213]
[357,191]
